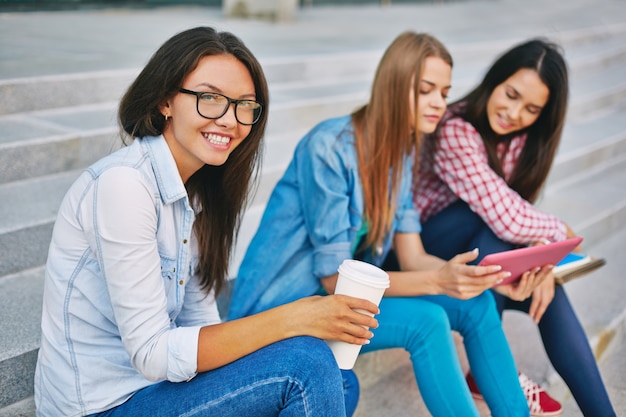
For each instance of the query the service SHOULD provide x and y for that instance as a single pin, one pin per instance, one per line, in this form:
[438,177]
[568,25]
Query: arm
[424,274]
[461,163]
[458,280]
[124,241]
[331,318]
[128,253]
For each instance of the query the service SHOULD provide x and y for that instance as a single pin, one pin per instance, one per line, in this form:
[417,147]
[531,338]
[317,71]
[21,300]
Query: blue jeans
[563,337]
[295,377]
[422,326]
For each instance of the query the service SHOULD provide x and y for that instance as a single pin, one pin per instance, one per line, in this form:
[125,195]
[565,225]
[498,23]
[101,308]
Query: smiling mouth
[506,125]
[216,139]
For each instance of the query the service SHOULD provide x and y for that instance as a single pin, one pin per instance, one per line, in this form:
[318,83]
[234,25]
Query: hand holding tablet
[518,261]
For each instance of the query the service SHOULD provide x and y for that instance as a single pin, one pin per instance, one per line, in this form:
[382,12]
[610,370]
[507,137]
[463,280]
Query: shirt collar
[168,179]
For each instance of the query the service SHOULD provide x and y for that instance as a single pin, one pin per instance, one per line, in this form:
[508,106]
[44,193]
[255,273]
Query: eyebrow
[432,84]
[219,90]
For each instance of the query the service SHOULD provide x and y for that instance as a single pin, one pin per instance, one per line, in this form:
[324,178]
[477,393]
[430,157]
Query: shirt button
[181,282]
[184,241]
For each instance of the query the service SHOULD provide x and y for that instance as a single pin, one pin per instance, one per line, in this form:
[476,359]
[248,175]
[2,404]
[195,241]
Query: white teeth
[216,139]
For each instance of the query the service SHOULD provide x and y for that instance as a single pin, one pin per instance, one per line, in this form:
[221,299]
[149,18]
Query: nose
[515,110]
[437,101]
[228,119]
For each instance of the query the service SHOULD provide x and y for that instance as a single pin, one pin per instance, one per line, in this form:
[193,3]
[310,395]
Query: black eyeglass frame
[198,94]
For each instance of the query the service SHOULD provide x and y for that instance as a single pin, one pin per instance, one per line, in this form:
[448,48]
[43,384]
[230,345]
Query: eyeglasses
[214,106]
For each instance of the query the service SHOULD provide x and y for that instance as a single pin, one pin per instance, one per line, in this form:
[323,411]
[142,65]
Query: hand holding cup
[361,280]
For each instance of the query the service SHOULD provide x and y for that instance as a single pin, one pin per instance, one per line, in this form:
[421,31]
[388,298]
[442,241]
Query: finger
[488,272]
[362,318]
[356,310]
[539,312]
[518,291]
[351,332]
[535,276]
[534,306]
[359,303]
[539,308]
[465,257]
[546,270]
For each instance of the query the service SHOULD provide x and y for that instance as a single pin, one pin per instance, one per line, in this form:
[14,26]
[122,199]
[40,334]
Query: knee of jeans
[309,356]
[480,310]
[428,320]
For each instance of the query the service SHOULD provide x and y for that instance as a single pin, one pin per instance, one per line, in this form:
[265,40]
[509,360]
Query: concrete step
[593,203]
[588,47]
[19,340]
[72,132]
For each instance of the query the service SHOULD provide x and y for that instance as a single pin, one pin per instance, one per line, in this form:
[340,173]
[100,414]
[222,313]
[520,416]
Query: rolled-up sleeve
[324,186]
[408,218]
[182,358]
[409,222]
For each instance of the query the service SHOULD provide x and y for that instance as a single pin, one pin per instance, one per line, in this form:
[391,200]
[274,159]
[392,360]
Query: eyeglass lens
[213,106]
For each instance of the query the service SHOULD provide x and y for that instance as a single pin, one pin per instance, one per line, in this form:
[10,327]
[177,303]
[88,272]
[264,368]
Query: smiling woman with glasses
[215,105]
[141,248]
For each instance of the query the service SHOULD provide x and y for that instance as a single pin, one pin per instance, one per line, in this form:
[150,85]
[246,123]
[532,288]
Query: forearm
[412,283]
[402,284]
[335,317]
[224,343]
[419,271]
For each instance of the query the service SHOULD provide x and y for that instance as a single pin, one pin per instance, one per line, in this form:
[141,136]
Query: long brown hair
[218,193]
[544,135]
[383,127]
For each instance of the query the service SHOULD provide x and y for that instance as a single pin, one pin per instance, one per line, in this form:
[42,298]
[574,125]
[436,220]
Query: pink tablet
[518,261]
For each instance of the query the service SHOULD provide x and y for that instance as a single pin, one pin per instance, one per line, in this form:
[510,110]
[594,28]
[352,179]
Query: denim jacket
[311,222]
[122,308]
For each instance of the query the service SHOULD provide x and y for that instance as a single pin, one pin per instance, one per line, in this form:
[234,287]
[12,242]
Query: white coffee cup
[361,280]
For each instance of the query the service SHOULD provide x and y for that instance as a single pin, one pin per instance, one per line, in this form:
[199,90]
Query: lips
[504,124]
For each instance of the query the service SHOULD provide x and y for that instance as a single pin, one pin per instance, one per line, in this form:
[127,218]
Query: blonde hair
[383,136]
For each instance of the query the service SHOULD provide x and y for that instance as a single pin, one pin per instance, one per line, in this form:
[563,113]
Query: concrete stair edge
[25,94]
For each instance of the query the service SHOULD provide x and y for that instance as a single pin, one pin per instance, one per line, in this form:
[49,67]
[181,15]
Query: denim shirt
[311,222]
[122,308]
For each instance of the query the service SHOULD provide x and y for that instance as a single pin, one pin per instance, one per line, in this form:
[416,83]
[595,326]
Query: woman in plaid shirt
[478,180]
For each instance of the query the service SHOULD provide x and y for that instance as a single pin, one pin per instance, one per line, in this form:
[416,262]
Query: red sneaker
[539,402]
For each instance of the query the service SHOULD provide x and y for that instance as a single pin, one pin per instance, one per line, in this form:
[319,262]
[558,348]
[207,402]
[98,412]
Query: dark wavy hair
[218,194]
[544,135]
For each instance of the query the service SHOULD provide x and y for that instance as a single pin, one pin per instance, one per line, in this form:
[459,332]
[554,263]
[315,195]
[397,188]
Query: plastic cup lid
[364,272]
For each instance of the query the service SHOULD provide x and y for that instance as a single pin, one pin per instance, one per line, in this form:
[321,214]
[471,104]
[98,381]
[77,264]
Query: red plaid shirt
[459,168]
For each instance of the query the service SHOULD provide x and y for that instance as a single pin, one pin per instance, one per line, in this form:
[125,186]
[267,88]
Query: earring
[166,117]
